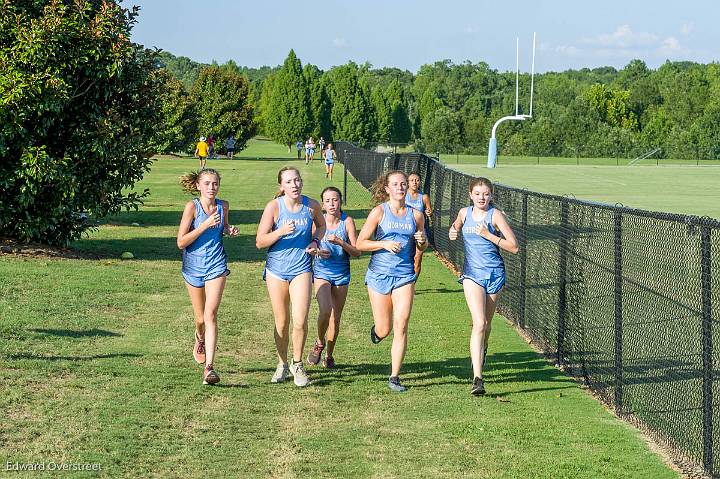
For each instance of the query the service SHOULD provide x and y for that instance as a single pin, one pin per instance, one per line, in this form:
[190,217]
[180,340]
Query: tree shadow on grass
[231,385]
[69,333]
[150,248]
[438,290]
[240,248]
[42,357]
[501,369]
[152,217]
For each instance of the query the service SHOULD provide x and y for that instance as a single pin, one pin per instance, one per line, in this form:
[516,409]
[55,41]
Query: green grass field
[505,160]
[677,189]
[96,368]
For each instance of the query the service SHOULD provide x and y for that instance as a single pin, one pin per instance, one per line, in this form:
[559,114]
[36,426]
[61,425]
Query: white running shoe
[299,375]
[281,373]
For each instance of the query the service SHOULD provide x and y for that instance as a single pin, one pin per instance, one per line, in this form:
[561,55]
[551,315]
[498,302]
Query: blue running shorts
[492,285]
[385,283]
[198,280]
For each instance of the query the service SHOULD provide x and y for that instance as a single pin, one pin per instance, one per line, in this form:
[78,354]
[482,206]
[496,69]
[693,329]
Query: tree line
[81,117]
[451,107]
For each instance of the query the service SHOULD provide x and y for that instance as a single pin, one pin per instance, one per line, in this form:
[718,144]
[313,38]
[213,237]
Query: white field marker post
[492,147]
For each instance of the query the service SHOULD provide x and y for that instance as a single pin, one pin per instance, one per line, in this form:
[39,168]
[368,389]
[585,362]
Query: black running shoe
[374,338]
[478,387]
[394,385]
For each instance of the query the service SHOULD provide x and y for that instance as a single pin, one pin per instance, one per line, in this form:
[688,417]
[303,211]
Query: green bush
[77,113]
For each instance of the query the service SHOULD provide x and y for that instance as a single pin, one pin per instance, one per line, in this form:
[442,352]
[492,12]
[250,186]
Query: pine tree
[319,102]
[288,117]
[383,116]
[400,126]
[352,115]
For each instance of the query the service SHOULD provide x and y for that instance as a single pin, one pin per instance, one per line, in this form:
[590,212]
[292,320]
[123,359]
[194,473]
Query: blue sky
[407,34]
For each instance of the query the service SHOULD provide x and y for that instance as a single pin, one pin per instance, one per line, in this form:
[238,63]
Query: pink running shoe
[210,376]
[328,362]
[199,350]
[314,356]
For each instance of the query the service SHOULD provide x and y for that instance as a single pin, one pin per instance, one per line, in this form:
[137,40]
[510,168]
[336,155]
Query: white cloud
[339,42]
[671,47]
[622,37]
[568,50]
[687,28]
[624,44]
[470,30]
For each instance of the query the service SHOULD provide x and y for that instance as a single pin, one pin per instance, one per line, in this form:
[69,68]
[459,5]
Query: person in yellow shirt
[201,151]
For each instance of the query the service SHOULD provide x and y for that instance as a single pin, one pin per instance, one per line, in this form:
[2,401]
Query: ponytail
[188,181]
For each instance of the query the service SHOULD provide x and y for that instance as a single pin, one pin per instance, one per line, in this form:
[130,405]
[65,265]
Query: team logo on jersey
[397,225]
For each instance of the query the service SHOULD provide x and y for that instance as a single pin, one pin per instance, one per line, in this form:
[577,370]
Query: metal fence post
[707,355]
[452,252]
[562,280]
[618,314]
[437,218]
[523,257]
[345,173]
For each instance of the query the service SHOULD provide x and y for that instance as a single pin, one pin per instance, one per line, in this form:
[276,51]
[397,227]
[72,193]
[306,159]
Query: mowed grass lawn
[96,367]
[677,189]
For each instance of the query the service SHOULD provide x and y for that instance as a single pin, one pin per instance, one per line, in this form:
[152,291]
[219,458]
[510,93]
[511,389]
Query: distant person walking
[309,150]
[321,144]
[329,155]
[201,151]
[230,146]
[485,232]
[211,146]
[299,146]
[203,223]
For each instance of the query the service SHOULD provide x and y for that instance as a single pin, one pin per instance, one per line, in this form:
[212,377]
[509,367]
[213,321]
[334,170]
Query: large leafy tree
[182,68]
[441,131]
[612,106]
[178,128]
[223,104]
[287,117]
[78,111]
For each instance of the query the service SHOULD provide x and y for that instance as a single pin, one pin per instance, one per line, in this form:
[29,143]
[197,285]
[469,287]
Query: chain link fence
[627,300]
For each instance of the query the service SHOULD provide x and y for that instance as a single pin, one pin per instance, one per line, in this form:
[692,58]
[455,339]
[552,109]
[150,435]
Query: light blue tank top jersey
[338,264]
[393,228]
[417,203]
[287,256]
[206,253]
[481,255]
[329,158]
